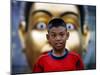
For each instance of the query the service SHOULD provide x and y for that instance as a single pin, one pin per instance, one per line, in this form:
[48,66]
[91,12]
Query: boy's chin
[59,48]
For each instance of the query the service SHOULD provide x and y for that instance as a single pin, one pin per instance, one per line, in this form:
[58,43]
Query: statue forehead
[54,7]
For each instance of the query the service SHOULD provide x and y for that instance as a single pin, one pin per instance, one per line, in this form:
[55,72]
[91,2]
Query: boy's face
[57,37]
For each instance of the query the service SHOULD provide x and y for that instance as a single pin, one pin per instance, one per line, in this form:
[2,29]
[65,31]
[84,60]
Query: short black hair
[56,22]
[80,8]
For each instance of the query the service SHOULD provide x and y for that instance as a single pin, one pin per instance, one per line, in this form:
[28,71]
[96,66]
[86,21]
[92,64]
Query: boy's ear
[22,33]
[47,36]
[68,35]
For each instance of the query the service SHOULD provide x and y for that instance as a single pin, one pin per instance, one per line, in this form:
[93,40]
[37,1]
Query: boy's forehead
[51,7]
[57,29]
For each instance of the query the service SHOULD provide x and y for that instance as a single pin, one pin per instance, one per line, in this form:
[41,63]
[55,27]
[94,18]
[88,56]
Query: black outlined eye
[41,26]
[70,26]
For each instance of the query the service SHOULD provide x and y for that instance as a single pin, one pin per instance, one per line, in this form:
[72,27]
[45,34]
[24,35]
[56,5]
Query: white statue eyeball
[41,26]
[70,26]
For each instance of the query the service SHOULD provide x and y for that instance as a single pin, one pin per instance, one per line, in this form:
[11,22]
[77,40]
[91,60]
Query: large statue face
[39,20]
[35,41]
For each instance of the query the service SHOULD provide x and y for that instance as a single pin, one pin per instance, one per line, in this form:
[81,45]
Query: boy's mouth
[58,44]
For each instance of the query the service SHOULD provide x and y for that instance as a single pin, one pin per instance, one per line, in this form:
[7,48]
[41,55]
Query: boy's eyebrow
[44,11]
[59,32]
[52,32]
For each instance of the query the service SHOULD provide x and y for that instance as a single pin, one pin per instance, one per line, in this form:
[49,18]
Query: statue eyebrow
[44,11]
[66,13]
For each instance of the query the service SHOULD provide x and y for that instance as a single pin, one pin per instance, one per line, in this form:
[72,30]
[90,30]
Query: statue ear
[86,35]
[85,29]
[21,33]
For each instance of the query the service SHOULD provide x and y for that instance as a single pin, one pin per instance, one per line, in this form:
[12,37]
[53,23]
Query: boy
[58,59]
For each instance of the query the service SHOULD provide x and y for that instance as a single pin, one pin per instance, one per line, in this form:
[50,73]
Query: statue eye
[70,26]
[41,26]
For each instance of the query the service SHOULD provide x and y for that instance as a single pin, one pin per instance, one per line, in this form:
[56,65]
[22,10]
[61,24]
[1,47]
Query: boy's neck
[58,52]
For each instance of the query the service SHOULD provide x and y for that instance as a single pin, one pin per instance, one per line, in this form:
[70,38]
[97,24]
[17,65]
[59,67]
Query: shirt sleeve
[38,68]
[79,64]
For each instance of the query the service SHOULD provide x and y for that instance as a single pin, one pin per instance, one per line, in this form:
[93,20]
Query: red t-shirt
[49,63]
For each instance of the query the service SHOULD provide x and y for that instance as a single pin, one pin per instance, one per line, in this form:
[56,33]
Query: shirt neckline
[58,57]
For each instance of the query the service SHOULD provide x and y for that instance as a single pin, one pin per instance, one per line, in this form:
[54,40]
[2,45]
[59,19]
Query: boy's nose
[58,38]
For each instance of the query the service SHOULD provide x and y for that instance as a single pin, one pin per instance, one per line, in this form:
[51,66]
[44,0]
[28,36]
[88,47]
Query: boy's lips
[58,44]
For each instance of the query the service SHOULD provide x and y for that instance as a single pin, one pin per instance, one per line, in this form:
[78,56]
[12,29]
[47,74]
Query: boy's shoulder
[44,55]
[74,54]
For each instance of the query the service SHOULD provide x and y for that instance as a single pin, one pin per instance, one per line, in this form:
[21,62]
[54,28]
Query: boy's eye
[41,26]
[61,34]
[53,35]
[70,26]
